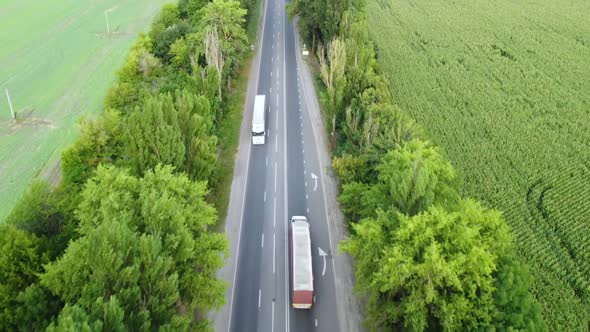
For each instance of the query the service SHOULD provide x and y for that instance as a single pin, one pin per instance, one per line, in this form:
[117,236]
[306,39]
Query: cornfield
[504,87]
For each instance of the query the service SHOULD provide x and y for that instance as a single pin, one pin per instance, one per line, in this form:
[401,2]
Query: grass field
[504,87]
[57,62]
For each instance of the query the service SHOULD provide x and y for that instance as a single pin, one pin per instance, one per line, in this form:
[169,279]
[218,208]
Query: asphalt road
[280,179]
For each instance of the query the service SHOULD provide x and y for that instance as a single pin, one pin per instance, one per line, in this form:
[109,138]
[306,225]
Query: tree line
[125,240]
[426,258]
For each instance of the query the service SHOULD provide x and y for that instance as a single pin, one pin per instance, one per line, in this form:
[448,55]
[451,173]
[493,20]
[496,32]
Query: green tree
[434,270]
[152,137]
[167,37]
[320,20]
[73,318]
[168,16]
[35,308]
[410,179]
[140,63]
[353,199]
[196,123]
[413,178]
[124,96]
[20,263]
[136,78]
[351,168]
[191,10]
[38,212]
[175,131]
[180,54]
[386,128]
[332,66]
[99,142]
[516,310]
[226,18]
[144,242]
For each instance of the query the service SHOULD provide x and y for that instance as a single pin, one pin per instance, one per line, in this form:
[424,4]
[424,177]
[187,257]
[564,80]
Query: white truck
[301,269]
[258,120]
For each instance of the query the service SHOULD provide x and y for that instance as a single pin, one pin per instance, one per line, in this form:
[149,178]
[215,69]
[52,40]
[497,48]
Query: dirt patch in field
[25,119]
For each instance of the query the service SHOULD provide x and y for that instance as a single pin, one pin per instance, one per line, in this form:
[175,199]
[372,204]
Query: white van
[258,123]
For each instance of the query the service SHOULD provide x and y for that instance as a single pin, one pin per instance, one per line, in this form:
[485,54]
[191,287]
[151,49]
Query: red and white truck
[301,270]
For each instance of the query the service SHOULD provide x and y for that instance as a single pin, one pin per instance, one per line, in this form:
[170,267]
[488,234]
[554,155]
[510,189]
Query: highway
[273,182]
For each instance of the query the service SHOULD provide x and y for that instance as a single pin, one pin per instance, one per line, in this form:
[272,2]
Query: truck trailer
[301,269]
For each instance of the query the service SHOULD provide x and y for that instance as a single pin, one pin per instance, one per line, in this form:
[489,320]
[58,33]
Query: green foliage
[180,54]
[136,76]
[99,142]
[227,18]
[332,69]
[19,264]
[152,136]
[138,244]
[167,37]
[191,9]
[169,15]
[35,307]
[415,177]
[73,318]
[319,20]
[354,201]
[386,128]
[174,131]
[123,96]
[205,81]
[516,309]
[196,123]
[38,212]
[140,63]
[352,168]
[432,270]
[410,179]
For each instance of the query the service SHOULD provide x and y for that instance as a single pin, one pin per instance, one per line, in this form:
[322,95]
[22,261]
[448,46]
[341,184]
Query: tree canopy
[175,131]
[138,246]
[410,179]
[20,263]
[432,270]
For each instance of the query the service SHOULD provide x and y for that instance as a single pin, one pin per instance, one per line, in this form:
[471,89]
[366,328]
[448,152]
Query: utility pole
[10,105]
[106,16]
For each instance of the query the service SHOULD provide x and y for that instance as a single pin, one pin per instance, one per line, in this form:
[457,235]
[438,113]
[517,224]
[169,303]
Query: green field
[504,87]
[56,61]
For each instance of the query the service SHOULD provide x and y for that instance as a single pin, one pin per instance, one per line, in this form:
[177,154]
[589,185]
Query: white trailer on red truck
[301,270]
